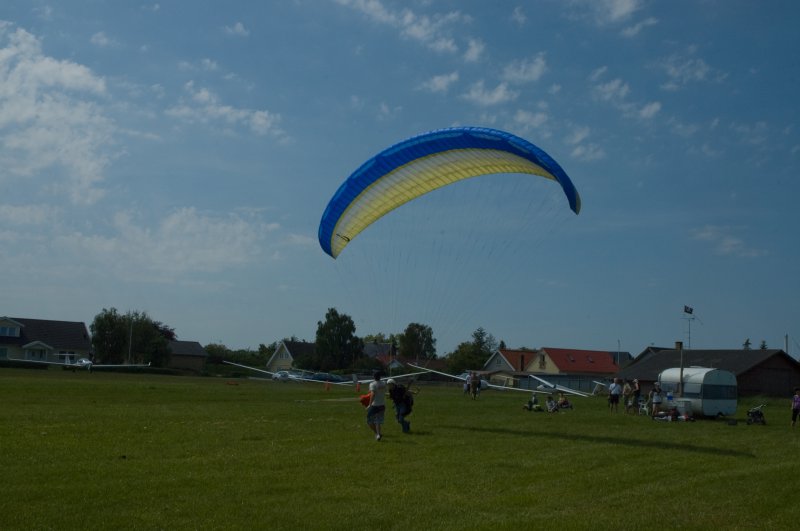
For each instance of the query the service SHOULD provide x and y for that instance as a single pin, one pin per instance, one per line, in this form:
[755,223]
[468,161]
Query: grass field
[118,451]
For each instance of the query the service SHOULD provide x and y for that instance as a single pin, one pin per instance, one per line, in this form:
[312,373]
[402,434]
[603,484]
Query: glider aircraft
[83,363]
[424,163]
[484,383]
[296,378]
[544,385]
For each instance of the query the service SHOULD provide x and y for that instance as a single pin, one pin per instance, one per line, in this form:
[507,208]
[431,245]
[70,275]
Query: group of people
[551,405]
[403,399]
[628,392]
[375,402]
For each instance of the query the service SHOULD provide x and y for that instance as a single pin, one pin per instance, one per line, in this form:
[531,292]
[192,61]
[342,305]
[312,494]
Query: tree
[337,345]
[472,355]
[746,344]
[417,342]
[763,345]
[129,338]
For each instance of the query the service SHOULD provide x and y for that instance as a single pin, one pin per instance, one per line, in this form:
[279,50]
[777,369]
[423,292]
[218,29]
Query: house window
[497,362]
[542,362]
[9,331]
[35,354]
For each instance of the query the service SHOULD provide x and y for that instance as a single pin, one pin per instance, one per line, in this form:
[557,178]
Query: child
[795,405]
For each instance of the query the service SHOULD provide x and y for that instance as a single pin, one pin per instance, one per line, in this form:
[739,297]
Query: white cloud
[724,243]
[474,51]
[11,215]
[598,73]
[518,16]
[480,95]
[578,135]
[650,110]
[203,106]
[431,31]
[440,83]
[237,30]
[531,120]
[526,70]
[605,12]
[615,90]
[185,241]
[683,69]
[101,39]
[632,31]
[583,150]
[52,128]
[588,152]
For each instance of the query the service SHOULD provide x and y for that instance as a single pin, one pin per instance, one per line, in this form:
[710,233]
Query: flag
[688,309]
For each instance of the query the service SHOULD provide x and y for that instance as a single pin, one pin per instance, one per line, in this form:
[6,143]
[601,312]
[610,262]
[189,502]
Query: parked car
[281,376]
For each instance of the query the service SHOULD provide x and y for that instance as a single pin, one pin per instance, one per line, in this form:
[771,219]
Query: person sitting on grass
[552,407]
[533,403]
[563,401]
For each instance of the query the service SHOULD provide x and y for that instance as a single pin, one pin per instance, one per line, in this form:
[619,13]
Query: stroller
[755,415]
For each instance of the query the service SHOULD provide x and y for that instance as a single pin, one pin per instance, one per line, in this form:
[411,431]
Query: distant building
[287,352]
[569,367]
[769,372]
[43,340]
[187,356]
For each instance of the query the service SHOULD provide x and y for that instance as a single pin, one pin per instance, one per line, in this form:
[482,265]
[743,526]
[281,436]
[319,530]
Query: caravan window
[720,392]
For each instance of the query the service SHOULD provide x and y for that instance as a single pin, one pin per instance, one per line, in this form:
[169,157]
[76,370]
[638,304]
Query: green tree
[474,354]
[746,344]
[130,338]
[763,345]
[337,346]
[417,342]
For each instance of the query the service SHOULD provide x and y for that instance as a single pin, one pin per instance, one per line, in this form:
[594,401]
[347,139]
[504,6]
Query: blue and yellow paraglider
[425,163]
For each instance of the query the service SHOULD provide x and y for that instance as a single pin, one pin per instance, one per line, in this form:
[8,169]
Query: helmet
[390,381]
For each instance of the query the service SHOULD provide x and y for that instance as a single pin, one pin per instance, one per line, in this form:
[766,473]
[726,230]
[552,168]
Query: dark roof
[649,365]
[62,335]
[188,348]
[377,350]
[300,348]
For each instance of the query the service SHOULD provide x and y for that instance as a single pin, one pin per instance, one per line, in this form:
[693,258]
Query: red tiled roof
[571,360]
[518,359]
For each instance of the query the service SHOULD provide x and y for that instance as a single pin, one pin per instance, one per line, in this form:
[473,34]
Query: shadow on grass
[660,445]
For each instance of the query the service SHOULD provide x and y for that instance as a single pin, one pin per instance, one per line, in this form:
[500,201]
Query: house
[187,355]
[764,372]
[288,351]
[43,340]
[569,367]
[597,363]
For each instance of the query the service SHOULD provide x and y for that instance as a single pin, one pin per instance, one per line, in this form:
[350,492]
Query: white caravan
[708,392]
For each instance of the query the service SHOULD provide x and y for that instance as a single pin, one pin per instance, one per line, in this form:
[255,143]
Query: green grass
[119,451]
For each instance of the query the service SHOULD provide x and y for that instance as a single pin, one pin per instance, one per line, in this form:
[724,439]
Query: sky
[175,158]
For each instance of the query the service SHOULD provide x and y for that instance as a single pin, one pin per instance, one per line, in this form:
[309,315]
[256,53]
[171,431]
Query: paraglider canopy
[424,163]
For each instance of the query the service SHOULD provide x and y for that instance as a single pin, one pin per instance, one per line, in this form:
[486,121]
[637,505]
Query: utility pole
[679,348]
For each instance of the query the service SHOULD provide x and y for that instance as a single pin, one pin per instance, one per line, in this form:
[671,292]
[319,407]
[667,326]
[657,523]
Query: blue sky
[176,157]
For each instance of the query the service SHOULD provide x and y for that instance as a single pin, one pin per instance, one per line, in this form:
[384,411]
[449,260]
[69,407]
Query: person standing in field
[377,405]
[637,392]
[795,405]
[627,393]
[655,398]
[474,384]
[403,402]
[614,390]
